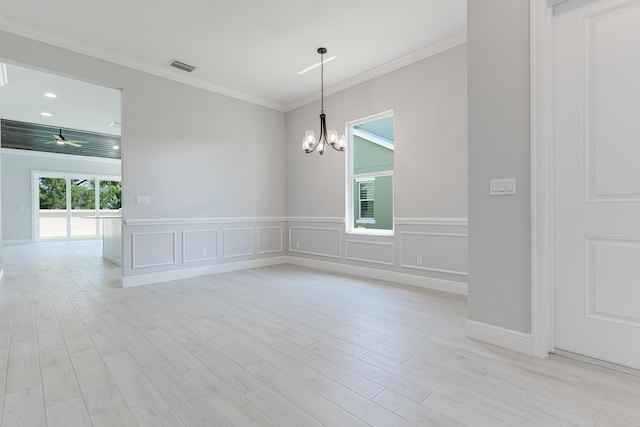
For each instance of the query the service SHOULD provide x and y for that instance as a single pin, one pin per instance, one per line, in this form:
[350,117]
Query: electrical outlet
[297,245]
[419,260]
[203,252]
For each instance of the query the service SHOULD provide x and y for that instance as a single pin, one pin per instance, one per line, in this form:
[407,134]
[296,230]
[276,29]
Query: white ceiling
[250,49]
[78,105]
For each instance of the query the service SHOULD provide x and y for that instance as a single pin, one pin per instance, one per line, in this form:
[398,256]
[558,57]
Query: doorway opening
[60,158]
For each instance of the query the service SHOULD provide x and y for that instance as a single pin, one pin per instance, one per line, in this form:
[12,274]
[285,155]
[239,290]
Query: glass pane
[373,146]
[366,209]
[53,208]
[366,190]
[83,209]
[373,204]
[110,198]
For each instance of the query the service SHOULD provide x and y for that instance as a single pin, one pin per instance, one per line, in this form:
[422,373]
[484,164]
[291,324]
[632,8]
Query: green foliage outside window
[110,195]
[53,193]
[83,194]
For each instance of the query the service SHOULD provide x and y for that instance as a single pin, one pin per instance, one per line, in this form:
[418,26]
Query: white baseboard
[496,335]
[391,276]
[16,242]
[114,260]
[187,273]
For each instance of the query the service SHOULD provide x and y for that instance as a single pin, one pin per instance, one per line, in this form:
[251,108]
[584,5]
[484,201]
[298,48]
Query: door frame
[542,224]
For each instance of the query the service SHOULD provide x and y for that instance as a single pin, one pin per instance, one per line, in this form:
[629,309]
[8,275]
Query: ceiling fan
[61,140]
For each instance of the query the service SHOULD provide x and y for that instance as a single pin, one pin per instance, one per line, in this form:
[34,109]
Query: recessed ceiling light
[316,65]
[116,147]
[50,95]
[45,114]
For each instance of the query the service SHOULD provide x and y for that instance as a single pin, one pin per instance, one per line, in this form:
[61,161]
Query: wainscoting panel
[153,249]
[199,245]
[437,252]
[165,249]
[174,248]
[375,252]
[316,241]
[269,240]
[238,242]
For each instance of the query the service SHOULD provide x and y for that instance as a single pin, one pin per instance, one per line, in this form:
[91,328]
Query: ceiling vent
[182,66]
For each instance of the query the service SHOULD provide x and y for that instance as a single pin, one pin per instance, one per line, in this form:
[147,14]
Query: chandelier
[330,137]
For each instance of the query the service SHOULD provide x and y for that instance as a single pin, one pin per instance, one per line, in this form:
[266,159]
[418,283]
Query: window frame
[351,220]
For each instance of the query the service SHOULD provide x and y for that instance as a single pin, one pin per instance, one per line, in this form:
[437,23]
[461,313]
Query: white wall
[499,227]
[1,231]
[200,156]
[17,206]
[429,99]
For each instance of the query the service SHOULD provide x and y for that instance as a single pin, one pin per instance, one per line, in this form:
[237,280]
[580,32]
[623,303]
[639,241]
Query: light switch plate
[502,187]
[143,200]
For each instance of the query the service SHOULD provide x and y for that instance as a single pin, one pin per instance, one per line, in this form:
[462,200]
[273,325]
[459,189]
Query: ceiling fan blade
[58,137]
[73,143]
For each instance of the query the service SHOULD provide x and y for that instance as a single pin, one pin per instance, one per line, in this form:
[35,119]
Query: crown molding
[158,71]
[396,64]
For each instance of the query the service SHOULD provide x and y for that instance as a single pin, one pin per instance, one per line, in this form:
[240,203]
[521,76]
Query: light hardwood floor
[272,346]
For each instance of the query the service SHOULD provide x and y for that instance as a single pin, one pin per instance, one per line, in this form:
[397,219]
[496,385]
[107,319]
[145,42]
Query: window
[67,205]
[370,175]
[365,201]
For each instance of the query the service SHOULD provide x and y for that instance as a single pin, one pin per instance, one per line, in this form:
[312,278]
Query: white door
[597,179]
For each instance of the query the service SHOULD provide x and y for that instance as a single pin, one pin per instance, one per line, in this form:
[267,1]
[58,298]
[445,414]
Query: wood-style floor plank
[273,346]
[70,413]
[24,408]
[23,370]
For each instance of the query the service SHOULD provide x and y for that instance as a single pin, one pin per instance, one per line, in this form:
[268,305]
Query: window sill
[365,221]
[369,232]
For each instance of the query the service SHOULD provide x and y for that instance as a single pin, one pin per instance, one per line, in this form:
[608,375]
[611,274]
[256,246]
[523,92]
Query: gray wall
[499,227]
[430,157]
[197,154]
[221,188]
[429,99]
[17,209]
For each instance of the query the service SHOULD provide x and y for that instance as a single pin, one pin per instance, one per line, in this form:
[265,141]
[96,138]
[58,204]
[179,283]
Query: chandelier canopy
[330,137]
